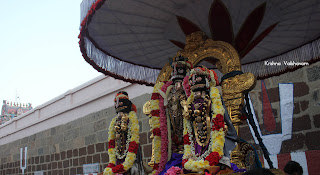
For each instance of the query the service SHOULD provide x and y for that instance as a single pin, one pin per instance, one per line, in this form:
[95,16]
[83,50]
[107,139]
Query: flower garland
[163,125]
[155,125]
[133,127]
[190,161]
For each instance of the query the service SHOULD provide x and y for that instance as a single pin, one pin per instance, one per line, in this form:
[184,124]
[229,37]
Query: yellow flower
[157,148]
[187,151]
[129,161]
[154,104]
[107,171]
[154,172]
[155,122]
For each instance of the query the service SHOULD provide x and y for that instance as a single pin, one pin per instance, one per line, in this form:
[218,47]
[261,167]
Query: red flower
[218,122]
[111,165]
[117,169]
[213,158]
[155,113]
[156,132]
[155,166]
[184,161]
[186,140]
[112,144]
[133,147]
[155,96]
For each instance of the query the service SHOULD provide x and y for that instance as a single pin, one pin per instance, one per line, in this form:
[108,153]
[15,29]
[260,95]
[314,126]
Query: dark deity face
[179,72]
[198,83]
[180,68]
[122,105]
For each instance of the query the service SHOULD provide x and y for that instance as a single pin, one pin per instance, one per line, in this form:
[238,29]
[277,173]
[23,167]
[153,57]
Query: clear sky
[39,53]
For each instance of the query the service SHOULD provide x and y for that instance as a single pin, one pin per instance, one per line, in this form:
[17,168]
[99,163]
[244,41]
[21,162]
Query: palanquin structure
[187,114]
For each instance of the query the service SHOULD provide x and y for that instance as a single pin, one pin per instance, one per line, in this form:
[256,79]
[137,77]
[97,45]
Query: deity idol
[205,129]
[167,118]
[123,137]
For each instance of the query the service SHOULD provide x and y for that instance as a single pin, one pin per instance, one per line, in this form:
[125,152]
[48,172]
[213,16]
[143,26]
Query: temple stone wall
[64,149]
[306,113]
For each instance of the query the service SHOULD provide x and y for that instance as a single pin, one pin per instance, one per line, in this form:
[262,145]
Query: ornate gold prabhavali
[198,48]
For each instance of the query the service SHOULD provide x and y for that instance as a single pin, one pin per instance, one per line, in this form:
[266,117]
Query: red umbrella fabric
[133,39]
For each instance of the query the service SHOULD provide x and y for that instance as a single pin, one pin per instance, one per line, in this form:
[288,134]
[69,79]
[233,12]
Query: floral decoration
[155,125]
[215,151]
[173,171]
[163,124]
[133,135]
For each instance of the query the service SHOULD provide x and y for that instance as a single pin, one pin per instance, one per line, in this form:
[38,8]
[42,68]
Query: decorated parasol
[133,40]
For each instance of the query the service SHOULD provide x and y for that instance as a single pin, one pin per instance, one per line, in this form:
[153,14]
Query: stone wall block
[53,131]
[83,151]
[304,105]
[296,108]
[145,125]
[82,160]
[100,147]
[69,154]
[316,120]
[60,165]
[313,73]
[316,95]
[47,159]
[313,140]
[301,123]
[147,149]
[300,89]
[66,145]
[78,142]
[75,162]
[89,159]
[25,140]
[54,165]
[75,153]
[100,125]
[87,129]
[56,139]
[73,170]
[102,136]
[57,156]
[104,157]
[96,158]
[71,134]
[79,170]
[90,149]
[73,124]
[90,139]
[143,138]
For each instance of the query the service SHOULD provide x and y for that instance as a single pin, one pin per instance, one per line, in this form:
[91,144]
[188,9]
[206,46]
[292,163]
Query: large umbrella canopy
[133,39]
